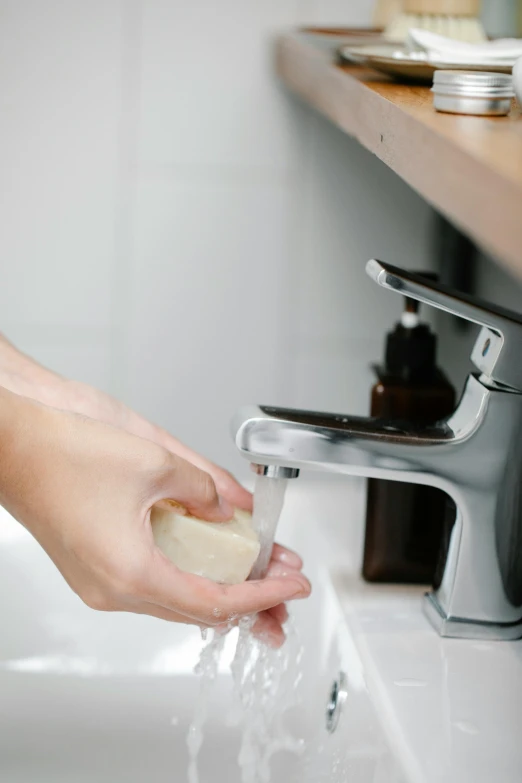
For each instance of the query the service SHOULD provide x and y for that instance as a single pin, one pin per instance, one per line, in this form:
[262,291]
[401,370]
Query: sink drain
[336,700]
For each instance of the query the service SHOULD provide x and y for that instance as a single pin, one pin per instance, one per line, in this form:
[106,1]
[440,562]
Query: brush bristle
[461,28]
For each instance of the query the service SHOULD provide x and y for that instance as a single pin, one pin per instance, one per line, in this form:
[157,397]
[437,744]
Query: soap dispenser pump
[406,524]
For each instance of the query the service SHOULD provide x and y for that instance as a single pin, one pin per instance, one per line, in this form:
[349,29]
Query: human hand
[82,398]
[85,490]
[22,375]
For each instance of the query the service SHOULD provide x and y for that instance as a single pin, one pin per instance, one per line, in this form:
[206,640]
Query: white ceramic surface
[397,61]
[517,80]
[91,697]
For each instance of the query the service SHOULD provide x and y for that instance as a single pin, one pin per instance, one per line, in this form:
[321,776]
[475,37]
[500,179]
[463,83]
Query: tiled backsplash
[175,227]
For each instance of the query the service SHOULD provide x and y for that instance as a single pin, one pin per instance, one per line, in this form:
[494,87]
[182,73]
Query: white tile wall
[175,226]
[207,94]
[353,209]
[208,291]
[84,353]
[59,97]
[60,75]
[357,210]
[221,154]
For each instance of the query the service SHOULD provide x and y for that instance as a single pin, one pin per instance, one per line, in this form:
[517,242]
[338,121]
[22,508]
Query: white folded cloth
[504,51]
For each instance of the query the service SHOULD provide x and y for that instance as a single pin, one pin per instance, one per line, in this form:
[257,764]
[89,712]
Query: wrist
[30,434]
[25,377]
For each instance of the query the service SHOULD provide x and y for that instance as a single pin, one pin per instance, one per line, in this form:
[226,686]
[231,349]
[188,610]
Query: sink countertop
[452,708]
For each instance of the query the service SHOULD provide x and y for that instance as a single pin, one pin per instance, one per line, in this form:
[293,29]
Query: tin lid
[474,83]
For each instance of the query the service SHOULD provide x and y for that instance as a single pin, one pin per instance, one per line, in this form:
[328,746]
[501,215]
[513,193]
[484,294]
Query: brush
[458,19]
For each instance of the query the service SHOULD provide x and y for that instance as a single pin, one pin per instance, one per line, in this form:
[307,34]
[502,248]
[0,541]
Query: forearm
[24,376]
[17,428]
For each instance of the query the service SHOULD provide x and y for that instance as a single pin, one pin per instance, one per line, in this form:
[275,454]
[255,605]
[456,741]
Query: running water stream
[265,680]
[266,684]
[269,497]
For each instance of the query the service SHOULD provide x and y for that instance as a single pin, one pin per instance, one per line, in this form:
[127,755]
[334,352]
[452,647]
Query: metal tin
[472,92]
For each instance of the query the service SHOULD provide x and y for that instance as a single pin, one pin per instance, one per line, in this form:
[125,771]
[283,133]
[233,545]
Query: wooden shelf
[469,168]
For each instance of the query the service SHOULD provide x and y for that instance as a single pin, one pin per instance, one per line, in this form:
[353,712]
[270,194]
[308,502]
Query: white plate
[397,61]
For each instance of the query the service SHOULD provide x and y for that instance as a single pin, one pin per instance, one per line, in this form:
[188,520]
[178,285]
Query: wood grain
[469,168]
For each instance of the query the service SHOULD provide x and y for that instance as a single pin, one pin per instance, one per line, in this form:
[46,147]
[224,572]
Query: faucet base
[459,628]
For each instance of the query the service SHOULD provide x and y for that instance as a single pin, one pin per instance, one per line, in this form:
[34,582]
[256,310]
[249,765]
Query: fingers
[230,489]
[144,607]
[226,484]
[279,613]
[280,569]
[211,603]
[283,555]
[195,490]
[268,630]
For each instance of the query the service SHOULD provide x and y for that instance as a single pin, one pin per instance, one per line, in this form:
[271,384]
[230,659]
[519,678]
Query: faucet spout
[275,471]
[471,455]
[283,438]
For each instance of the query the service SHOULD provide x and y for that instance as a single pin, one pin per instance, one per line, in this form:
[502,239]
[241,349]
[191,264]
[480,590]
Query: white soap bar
[224,552]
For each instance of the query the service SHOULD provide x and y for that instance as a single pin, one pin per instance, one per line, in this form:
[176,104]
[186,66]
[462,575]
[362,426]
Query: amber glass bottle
[406,524]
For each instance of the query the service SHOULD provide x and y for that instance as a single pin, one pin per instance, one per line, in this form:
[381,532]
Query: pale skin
[81,472]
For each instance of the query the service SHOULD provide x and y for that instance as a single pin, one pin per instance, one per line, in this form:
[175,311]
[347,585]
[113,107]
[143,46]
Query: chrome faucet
[475,456]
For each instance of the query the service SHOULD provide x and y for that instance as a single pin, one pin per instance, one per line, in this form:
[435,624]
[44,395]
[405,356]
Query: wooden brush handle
[385,11]
[443,7]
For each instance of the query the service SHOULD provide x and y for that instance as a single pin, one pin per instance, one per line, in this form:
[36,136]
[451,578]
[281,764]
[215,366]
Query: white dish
[399,62]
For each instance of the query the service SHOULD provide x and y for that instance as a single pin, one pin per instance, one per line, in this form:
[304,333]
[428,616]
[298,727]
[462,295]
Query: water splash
[207,667]
[266,682]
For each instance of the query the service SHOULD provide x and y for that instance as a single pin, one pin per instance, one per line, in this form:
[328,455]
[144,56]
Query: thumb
[195,490]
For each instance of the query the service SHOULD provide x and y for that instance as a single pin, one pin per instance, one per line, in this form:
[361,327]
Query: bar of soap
[224,552]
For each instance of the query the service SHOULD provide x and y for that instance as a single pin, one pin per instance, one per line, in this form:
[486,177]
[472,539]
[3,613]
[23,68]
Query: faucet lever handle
[498,349]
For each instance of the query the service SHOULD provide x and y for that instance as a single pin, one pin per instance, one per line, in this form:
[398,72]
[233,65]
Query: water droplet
[410,683]
[246,623]
[467,727]
[217,613]
[204,633]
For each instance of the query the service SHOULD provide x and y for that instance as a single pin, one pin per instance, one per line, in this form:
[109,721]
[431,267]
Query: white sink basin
[108,697]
